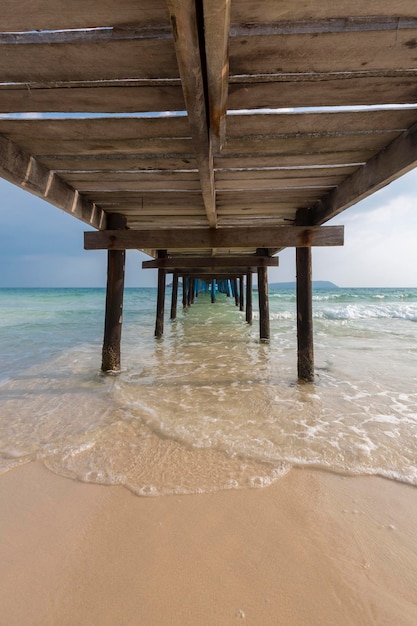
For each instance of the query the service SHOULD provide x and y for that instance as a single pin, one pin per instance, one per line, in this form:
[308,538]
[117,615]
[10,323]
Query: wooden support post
[305,347]
[264,331]
[241,295]
[174,296]
[160,304]
[184,292]
[189,287]
[213,290]
[249,312]
[236,291]
[192,291]
[110,361]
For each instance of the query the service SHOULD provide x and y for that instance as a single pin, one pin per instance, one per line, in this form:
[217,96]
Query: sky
[42,246]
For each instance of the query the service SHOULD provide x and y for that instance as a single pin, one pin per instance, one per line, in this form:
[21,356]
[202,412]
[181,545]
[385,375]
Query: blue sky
[41,246]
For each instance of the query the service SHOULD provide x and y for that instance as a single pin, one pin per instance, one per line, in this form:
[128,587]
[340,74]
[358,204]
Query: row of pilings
[114,306]
[232,287]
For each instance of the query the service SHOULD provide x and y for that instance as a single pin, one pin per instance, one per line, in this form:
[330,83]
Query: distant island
[317,284]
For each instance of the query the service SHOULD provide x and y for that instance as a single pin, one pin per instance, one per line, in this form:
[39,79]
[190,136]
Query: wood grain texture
[259,237]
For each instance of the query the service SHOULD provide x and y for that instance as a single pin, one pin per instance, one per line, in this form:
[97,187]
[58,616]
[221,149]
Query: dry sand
[314,549]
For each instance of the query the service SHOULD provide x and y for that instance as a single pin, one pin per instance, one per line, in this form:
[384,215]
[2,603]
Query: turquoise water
[208,407]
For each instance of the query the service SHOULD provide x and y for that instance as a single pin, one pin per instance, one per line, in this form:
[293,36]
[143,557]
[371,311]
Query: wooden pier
[213,134]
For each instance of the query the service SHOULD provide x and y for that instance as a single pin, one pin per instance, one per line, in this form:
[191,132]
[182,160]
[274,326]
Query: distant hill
[317,284]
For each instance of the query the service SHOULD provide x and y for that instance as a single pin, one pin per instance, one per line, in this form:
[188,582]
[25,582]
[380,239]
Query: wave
[357,312]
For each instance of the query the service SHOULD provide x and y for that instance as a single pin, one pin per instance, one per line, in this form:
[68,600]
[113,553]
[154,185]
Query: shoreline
[313,548]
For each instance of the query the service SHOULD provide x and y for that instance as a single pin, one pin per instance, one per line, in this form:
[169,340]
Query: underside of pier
[210,134]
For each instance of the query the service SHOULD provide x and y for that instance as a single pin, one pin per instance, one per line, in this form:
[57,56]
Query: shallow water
[208,407]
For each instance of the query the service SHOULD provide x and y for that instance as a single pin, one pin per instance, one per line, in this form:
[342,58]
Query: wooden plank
[328,52]
[135,186]
[325,122]
[101,60]
[395,160]
[277,183]
[283,173]
[331,89]
[91,97]
[26,172]
[148,199]
[248,260]
[134,211]
[149,136]
[163,177]
[185,26]
[79,14]
[216,37]
[299,145]
[248,199]
[112,162]
[253,11]
[106,128]
[282,236]
[337,156]
[351,24]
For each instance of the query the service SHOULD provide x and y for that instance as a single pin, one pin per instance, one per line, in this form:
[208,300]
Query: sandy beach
[314,548]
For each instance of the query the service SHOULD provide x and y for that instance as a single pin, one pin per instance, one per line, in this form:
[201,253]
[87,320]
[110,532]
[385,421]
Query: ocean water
[208,407]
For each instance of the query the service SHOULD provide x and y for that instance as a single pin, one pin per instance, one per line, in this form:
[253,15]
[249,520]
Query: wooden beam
[398,158]
[221,273]
[28,173]
[182,263]
[188,47]
[216,37]
[251,237]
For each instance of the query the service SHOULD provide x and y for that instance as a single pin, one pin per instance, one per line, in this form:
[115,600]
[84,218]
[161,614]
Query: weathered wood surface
[121,96]
[183,262]
[257,237]
[253,11]
[305,346]
[174,296]
[114,311]
[79,14]
[249,308]
[398,158]
[23,170]
[325,51]
[59,14]
[241,294]
[111,59]
[252,91]
[216,36]
[263,296]
[189,50]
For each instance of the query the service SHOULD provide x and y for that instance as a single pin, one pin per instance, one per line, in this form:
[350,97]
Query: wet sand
[314,549]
